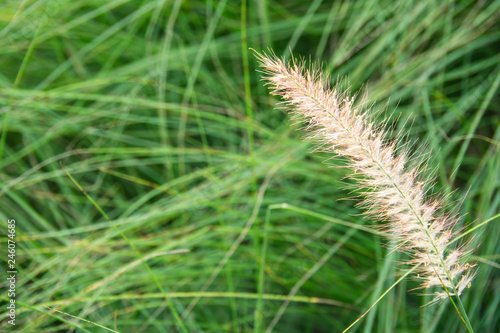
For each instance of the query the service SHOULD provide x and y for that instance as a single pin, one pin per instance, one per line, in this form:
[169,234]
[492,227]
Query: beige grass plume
[392,190]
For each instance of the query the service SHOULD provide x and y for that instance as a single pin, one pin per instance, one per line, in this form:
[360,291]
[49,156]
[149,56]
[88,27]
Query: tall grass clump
[154,190]
[392,181]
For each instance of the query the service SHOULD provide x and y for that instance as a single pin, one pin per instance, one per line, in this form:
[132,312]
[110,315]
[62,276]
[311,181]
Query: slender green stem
[472,229]
[258,317]
[414,268]
[137,252]
[248,92]
[46,313]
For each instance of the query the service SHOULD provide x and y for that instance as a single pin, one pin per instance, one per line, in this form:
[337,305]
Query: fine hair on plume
[391,181]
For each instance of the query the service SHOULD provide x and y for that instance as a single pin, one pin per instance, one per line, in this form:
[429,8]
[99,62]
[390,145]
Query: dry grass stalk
[392,190]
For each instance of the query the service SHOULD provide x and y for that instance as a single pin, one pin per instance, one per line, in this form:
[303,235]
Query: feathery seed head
[392,191]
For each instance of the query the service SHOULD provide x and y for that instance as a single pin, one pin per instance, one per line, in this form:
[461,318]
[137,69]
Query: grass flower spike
[392,189]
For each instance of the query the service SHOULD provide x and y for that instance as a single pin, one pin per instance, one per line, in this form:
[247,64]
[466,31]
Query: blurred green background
[156,109]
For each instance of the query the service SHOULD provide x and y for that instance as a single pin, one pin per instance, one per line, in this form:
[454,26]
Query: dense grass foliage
[201,209]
